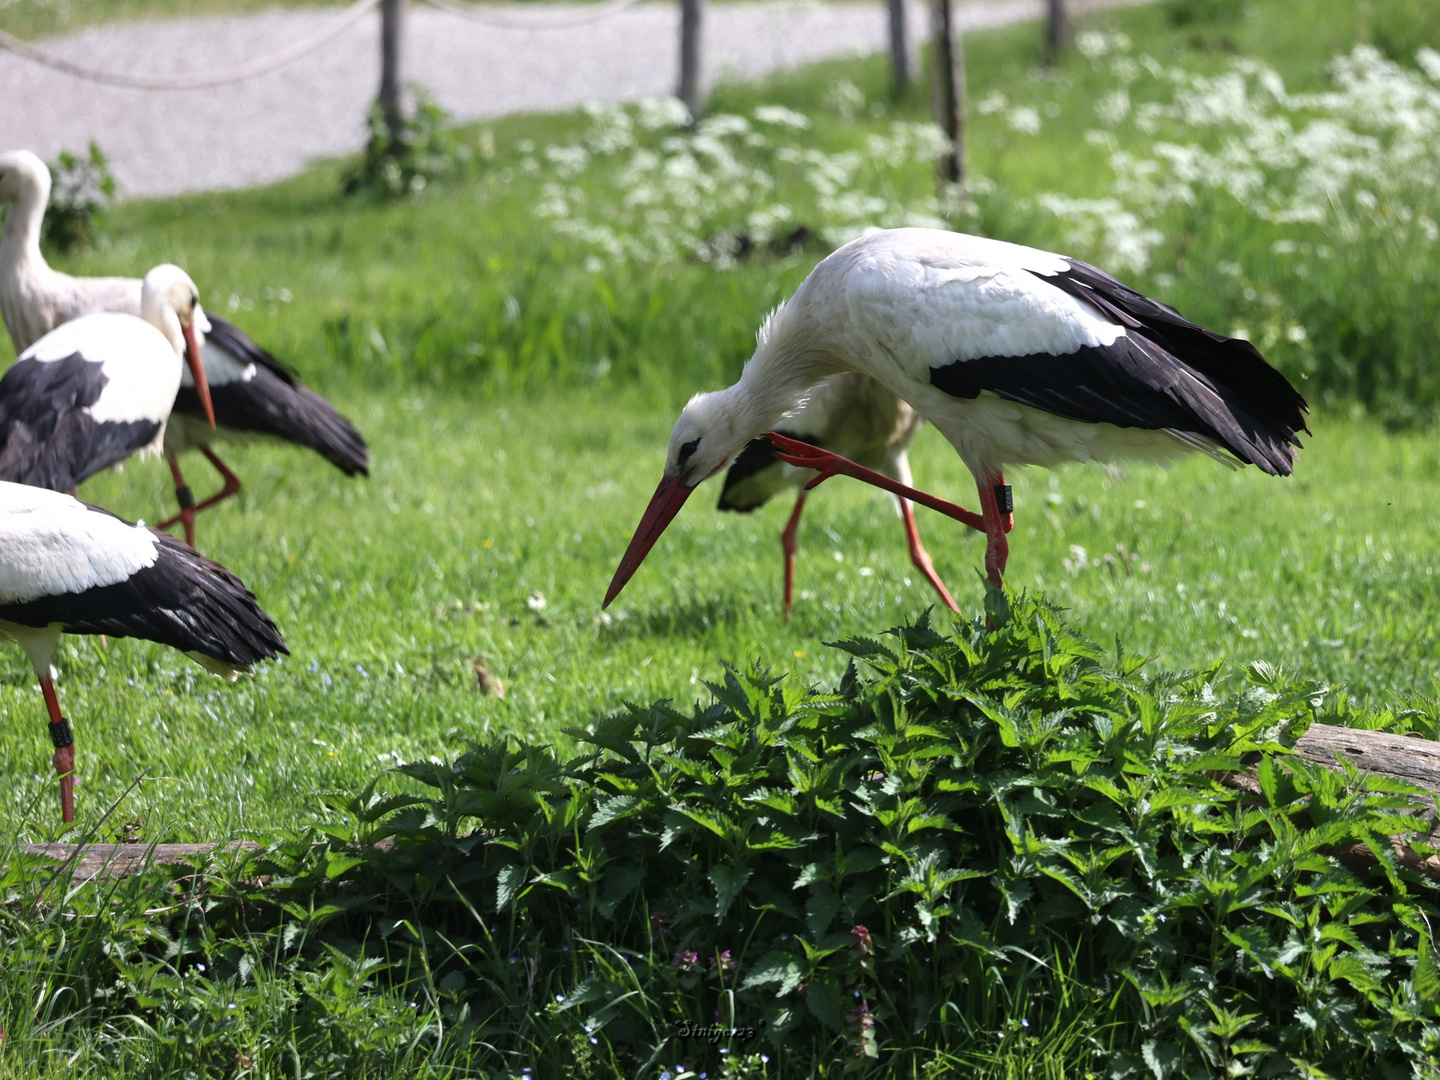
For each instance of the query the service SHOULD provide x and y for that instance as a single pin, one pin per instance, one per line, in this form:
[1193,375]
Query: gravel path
[271,126]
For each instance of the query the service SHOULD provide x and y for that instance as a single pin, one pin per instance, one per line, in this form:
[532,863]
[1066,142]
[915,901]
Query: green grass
[465,340]
[475,506]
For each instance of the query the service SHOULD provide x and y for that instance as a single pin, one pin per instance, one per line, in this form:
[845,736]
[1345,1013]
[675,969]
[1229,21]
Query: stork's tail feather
[332,436]
[220,620]
[182,600]
[274,402]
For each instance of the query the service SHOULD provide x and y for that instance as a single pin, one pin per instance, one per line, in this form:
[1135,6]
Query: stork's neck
[20,240]
[156,309]
[774,383]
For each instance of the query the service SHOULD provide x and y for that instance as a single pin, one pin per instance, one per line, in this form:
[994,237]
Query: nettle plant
[982,840]
[717,190]
[993,842]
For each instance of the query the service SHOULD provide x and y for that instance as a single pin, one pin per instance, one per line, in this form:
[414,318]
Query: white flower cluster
[711,191]
[1360,159]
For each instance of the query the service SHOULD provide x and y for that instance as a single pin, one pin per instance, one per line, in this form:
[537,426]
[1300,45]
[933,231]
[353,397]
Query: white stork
[92,392]
[850,415]
[254,394]
[70,568]
[1017,356]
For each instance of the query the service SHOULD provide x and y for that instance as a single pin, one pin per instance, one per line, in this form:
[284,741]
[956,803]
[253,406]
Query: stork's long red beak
[197,372]
[669,497]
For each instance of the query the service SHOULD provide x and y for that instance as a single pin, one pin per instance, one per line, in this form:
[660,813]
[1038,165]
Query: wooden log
[122,860]
[1405,757]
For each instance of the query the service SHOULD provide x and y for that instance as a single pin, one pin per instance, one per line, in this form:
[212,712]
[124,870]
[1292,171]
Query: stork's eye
[688,449]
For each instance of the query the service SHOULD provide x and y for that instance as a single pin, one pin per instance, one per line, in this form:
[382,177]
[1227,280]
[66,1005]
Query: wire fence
[256,68]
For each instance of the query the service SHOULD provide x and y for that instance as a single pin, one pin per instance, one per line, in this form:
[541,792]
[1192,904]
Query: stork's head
[22,174]
[705,439]
[170,301]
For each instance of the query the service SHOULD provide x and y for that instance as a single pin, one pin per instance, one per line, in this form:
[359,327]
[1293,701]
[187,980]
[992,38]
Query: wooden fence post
[691,90]
[392,38]
[1057,31]
[899,50]
[948,89]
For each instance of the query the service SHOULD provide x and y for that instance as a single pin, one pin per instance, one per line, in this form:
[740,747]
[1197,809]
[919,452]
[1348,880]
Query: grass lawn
[492,529]
[518,407]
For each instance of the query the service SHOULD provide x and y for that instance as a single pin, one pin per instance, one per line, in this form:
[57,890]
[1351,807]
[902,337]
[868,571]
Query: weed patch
[983,840]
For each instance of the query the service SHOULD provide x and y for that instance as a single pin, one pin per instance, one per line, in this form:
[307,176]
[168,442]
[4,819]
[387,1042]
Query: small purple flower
[863,943]
[687,960]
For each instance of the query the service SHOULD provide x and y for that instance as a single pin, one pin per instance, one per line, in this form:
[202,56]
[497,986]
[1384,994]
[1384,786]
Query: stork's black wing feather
[50,440]
[274,403]
[1161,372]
[242,347]
[1232,363]
[183,600]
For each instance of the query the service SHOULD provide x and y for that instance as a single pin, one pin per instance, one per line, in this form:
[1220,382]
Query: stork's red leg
[804,456]
[789,546]
[64,742]
[232,482]
[186,499]
[921,558]
[998,522]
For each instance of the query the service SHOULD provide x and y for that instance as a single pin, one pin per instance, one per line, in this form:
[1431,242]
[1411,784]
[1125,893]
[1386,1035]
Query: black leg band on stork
[61,734]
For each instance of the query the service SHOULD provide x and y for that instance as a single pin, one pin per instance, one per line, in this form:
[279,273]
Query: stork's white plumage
[1017,356]
[96,390]
[850,415]
[68,567]
[254,394]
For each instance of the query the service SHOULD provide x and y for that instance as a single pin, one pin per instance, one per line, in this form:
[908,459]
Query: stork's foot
[804,456]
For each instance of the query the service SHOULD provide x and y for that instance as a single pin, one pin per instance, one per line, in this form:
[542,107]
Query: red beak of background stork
[669,497]
[197,372]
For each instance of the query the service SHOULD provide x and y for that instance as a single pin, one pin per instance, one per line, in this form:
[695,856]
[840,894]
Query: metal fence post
[948,88]
[899,50]
[392,37]
[691,90]
[1057,31]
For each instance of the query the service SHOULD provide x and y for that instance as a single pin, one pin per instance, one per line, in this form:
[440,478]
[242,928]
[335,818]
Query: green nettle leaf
[608,810]
[823,907]
[775,968]
[508,883]
[825,1000]
[728,881]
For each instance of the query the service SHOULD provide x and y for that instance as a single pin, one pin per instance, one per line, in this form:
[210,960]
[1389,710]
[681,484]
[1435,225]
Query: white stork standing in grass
[1017,356]
[70,568]
[92,392]
[849,415]
[254,394]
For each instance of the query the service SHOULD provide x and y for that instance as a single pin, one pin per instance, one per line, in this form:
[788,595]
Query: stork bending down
[1017,356]
[848,415]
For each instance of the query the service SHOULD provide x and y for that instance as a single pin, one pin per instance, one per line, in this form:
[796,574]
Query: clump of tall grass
[985,844]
